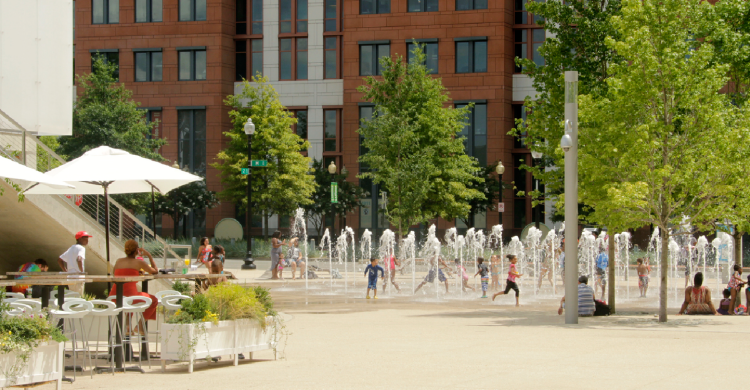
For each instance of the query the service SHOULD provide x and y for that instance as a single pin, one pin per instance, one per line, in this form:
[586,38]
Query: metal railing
[30,151]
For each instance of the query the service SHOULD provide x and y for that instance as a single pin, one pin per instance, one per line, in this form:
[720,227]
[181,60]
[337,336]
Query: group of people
[698,297]
[280,260]
[212,256]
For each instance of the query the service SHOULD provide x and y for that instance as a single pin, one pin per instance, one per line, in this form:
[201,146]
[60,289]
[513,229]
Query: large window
[148,11]
[475,132]
[153,114]
[293,59]
[108,56]
[463,5]
[374,7]
[369,56]
[251,10]
[331,123]
[331,57]
[192,63]
[240,60]
[191,125]
[430,49]
[105,11]
[192,10]
[300,128]
[422,5]
[471,55]
[523,17]
[528,41]
[293,16]
[255,57]
[365,114]
[332,17]
[148,64]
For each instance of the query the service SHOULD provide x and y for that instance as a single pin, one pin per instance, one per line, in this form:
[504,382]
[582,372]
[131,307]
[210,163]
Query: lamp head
[332,168]
[344,171]
[536,155]
[500,168]
[566,142]
[249,126]
[175,165]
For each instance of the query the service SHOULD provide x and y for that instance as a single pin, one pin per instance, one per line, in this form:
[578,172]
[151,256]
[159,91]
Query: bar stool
[11,296]
[36,306]
[159,319]
[71,311]
[110,311]
[136,310]
[18,309]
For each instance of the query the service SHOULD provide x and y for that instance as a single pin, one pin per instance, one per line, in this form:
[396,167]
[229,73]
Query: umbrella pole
[106,227]
[153,212]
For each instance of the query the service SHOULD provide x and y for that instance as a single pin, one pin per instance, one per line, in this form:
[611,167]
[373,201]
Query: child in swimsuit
[643,271]
[495,271]
[724,304]
[461,271]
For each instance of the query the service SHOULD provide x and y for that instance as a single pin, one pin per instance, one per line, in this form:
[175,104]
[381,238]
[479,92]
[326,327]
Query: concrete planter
[188,342]
[45,364]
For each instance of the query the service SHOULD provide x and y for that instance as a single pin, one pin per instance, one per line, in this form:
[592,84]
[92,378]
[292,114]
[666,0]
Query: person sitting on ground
[217,267]
[131,266]
[697,298]
[586,304]
[430,278]
[39,265]
[735,286]
[295,259]
[724,303]
[371,271]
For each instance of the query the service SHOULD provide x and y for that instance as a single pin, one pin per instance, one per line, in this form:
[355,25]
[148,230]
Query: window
[430,49]
[331,57]
[519,213]
[293,16]
[522,16]
[293,59]
[475,132]
[519,113]
[422,5]
[192,10]
[365,114]
[471,55]
[463,5]
[192,63]
[369,56]
[249,10]
[367,7]
[148,11]
[527,42]
[110,56]
[241,58]
[105,11]
[300,128]
[330,130]
[191,124]
[148,64]
[256,56]
[153,114]
[331,16]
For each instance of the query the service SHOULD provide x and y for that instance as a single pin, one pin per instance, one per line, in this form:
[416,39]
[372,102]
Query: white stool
[159,319]
[73,310]
[136,310]
[110,312]
[35,305]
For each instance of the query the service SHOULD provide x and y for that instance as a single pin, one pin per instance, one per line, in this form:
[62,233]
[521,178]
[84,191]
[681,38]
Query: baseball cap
[81,234]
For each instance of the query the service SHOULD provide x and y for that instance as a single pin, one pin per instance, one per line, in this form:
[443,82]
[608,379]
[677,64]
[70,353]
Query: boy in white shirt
[73,259]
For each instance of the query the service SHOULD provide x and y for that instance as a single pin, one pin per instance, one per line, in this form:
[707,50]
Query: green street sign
[334,192]
[245,171]
[259,163]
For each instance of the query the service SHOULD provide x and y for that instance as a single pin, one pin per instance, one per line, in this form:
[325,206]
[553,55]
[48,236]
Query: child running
[463,275]
[510,284]
[371,271]
[484,273]
[430,278]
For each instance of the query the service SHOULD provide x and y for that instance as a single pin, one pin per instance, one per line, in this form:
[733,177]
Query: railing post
[97,208]
[119,220]
[23,146]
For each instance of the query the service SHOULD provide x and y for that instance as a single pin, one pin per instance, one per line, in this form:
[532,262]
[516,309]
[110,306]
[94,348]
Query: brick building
[181,58]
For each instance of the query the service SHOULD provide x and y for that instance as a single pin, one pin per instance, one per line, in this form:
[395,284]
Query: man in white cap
[72,260]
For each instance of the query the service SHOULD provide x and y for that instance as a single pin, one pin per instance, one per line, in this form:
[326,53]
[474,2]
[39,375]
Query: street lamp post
[249,130]
[537,210]
[332,171]
[500,169]
[569,144]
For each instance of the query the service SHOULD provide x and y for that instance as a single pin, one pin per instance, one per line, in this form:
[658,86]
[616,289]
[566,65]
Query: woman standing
[276,245]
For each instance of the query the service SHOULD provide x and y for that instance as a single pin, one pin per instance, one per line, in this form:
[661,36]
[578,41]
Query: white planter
[45,364]
[188,342]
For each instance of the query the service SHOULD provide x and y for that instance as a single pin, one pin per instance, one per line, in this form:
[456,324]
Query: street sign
[259,163]
[501,207]
[334,192]
[245,171]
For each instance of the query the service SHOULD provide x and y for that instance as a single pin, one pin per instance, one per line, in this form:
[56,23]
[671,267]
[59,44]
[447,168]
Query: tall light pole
[537,210]
[332,171]
[569,144]
[249,130]
[500,169]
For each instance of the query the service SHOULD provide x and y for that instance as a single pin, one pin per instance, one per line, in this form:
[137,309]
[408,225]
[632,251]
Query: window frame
[423,7]
[249,21]
[294,21]
[294,51]
[375,46]
[193,11]
[337,62]
[193,139]
[473,5]
[471,57]
[193,50]
[339,130]
[336,18]
[530,44]
[106,12]
[433,41]
[471,137]
[149,54]
[295,114]
[249,62]
[149,12]
[148,114]
[376,6]
[530,17]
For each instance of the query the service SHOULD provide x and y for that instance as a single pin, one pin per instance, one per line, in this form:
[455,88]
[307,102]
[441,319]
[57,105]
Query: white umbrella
[10,169]
[105,171]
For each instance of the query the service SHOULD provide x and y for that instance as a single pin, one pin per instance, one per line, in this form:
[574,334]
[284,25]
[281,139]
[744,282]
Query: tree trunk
[611,267]
[265,227]
[663,293]
[737,246]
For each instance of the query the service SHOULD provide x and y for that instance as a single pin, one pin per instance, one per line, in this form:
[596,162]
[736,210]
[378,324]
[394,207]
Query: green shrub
[182,288]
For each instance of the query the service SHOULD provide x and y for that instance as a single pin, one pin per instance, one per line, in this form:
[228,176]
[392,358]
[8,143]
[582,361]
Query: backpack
[602,309]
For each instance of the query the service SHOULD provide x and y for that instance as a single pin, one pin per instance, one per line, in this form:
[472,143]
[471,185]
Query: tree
[413,145]
[579,29]
[285,184]
[349,196]
[489,186]
[656,148]
[182,200]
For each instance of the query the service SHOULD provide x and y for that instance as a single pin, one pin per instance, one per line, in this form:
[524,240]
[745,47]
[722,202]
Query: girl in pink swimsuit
[461,270]
[390,265]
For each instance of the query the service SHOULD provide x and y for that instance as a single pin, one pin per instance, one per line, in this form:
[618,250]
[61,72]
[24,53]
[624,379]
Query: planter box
[45,364]
[188,342]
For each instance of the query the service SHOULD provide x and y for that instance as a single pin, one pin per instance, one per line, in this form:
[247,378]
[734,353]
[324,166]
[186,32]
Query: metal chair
[110,311]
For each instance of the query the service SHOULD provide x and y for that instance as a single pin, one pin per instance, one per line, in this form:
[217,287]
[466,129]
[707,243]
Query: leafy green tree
[579,30]
[487,184]
[662,145]
[413,145]
[349,196]
[285,184]
[182,200]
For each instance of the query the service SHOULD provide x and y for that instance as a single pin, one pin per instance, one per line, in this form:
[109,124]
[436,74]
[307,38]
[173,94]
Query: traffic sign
[259,163]
[501,207]
[245,171]
[334,192]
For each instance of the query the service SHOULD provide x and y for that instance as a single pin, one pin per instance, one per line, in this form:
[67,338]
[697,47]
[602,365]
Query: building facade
[181,58]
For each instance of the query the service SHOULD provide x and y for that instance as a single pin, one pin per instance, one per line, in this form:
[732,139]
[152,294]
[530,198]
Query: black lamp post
[537,210]
[332,171]
[500,169]
[249,130]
